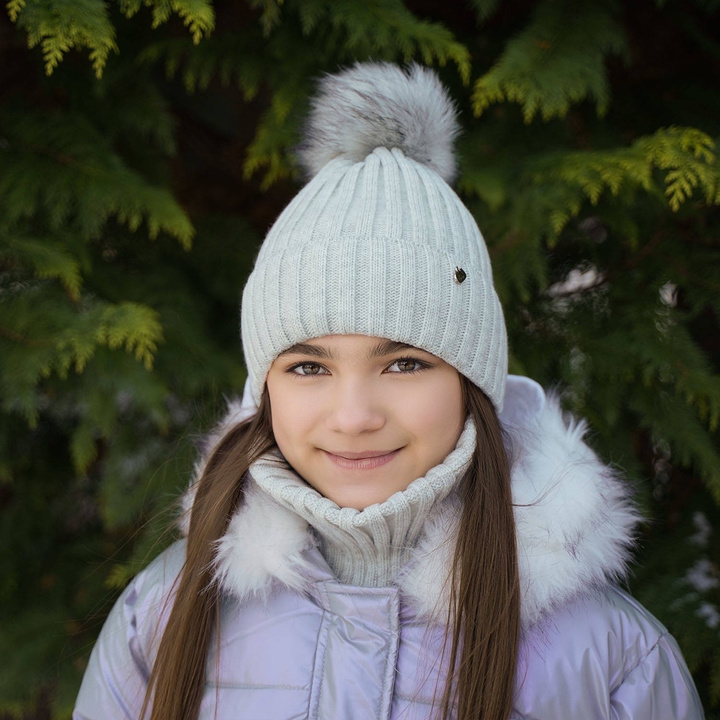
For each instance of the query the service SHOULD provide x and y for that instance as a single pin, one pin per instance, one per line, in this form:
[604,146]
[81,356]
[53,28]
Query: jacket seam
[318,674]
[391,659]
[640,661]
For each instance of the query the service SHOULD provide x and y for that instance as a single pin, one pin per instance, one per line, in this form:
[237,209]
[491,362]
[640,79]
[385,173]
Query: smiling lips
[367,460]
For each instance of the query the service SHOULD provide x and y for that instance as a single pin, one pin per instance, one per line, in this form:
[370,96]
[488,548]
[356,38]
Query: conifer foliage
[146,146]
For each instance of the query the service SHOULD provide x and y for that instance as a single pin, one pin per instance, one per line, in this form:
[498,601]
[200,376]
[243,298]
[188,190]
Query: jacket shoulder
[603,655]
[163,571]
[148,599]
[116,677]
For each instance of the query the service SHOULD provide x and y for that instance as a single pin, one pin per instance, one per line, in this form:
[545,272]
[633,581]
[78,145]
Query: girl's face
[360,418]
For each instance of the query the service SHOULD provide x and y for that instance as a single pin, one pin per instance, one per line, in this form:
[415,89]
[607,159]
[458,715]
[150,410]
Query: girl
[389,526]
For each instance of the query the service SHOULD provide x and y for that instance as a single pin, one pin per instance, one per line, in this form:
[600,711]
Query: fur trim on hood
[574,520]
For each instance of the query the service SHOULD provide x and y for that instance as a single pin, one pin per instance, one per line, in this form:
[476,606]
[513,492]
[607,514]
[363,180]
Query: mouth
[366,460]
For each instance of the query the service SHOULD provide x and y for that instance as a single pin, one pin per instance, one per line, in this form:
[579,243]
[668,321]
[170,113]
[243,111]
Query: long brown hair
[483,617]
[484,612]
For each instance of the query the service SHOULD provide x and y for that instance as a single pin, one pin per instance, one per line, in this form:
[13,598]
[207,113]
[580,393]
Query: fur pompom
[373,105]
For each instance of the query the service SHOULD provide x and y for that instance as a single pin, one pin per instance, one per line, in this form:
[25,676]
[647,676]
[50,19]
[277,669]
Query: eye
[307,369]
[407,366]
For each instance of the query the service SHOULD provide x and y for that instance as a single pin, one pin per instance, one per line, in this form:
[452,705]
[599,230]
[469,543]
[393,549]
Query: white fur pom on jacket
[296,643]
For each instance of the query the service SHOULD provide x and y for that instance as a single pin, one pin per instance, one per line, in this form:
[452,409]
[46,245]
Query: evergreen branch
[48,261]
[22,339]
[485,8]
[691,446]
[197,15]
[14,7]
[83,180]
[686,155]
[83,446]
[128,325]
[270,13]
[274,137]
[687,369]
[48,336]
[130,7]
[669,383]
[556,61]
[229,57]
[134,108]
[119,576]
[59,27]
[135,327]
[490,184]
[384,28]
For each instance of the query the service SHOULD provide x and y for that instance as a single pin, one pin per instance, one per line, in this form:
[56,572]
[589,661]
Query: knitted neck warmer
[366,547]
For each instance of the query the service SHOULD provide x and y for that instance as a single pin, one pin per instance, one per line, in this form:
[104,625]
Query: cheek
[281,430]
[439,414]
[284,416]
[293,424]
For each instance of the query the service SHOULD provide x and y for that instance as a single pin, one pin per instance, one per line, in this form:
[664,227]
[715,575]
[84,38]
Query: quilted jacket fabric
[354,653]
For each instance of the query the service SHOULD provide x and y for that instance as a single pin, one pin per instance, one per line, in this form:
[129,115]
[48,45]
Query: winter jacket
[296,643]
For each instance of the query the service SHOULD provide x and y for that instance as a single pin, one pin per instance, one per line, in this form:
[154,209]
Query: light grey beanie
[377,243]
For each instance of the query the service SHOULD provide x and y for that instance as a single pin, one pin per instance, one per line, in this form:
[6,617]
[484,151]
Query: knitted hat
[377,243]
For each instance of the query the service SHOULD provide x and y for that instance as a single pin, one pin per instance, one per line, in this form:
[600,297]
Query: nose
[355,408]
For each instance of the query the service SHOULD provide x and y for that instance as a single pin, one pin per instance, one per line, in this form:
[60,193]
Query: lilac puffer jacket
[353,653]
[295,643]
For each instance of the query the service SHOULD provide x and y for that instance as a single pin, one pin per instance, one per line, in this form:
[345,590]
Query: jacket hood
[573,514]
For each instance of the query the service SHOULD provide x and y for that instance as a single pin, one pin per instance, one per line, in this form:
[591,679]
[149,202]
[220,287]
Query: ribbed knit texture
[371,248]
[367,547]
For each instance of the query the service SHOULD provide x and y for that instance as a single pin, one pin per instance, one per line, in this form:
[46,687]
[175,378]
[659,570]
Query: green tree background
[145,148]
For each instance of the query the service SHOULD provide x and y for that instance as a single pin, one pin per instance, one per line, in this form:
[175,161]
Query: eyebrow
[307,349]
[383,348]
[388,347]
